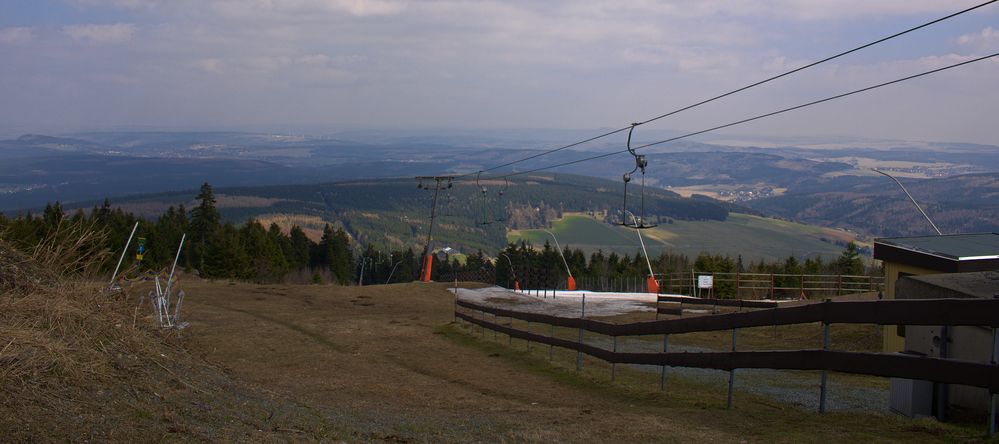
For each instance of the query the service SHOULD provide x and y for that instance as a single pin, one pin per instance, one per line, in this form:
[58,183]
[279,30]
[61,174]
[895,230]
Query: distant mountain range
[826,183]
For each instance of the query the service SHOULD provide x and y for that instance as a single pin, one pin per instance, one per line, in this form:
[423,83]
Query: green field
[751,236]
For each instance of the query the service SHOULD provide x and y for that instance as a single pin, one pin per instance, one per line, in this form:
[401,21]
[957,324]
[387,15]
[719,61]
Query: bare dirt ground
[386,363]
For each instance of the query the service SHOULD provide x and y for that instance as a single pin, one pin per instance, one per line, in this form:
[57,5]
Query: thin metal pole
[662,374]
[430,232]
[910,198]
[641,241]
[825,374]
[731,373]
[495,321]
[579,353]
[123,251]
[559,248]
[169,284]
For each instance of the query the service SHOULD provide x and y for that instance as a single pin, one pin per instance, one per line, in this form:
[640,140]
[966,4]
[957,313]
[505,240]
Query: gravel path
[788,387]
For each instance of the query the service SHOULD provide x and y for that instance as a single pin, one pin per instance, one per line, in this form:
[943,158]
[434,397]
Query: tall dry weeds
[73,248]
[59,332]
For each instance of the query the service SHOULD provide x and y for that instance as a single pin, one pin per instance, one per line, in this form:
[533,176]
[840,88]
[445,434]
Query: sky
[71,65]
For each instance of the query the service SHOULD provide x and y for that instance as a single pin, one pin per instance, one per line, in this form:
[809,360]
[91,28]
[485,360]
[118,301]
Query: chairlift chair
[502,217]
[640,163]
[482,203]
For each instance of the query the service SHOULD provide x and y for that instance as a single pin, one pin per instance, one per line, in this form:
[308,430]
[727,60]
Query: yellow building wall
[891,341]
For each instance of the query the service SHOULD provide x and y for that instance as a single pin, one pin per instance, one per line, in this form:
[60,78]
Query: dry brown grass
[71,248]
[79,362]
[19,273]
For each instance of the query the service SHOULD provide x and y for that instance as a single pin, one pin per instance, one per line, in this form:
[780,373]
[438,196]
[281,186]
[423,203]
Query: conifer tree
[298,248]
[849,261]
[265,259]
[205,221]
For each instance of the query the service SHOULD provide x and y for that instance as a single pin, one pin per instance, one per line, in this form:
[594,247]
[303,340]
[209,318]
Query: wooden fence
[769,285]
[952,312]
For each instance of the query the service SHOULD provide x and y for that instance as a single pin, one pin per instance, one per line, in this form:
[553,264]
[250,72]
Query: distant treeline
[223,250]
[252,252]
[544,266]
[394,214]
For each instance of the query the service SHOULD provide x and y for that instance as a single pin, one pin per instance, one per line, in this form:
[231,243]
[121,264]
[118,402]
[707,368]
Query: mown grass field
[751,236]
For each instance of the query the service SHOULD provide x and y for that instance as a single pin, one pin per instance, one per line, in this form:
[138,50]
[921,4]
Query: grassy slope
[752,236]
[388,363]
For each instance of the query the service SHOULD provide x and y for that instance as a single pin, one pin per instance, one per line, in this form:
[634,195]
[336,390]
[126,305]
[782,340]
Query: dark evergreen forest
[217,249]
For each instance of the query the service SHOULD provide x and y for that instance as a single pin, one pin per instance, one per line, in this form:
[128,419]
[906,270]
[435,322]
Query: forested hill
[394,213]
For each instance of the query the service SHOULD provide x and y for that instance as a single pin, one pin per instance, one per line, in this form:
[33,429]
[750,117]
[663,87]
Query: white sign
[705,281]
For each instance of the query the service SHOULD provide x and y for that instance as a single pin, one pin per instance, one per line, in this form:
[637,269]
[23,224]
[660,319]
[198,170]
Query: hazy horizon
[79,65]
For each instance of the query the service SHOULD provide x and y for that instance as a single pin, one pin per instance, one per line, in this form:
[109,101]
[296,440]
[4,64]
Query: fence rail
[954,312]
[770,285]
[983,312]
[874,364]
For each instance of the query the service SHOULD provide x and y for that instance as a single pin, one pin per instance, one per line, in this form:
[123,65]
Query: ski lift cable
[738,90]
[757,117]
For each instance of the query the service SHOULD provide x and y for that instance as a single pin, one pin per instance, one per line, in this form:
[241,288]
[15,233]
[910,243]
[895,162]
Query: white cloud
[210,65]
[985,40]
[511,62]
[16,35]
[116,33]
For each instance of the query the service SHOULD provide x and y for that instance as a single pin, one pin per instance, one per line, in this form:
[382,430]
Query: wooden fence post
[992,396]
[731,373]
[662,375]
[737,285]
[528,340]
[772,294]
[825,347]
[801,284]
[614,364]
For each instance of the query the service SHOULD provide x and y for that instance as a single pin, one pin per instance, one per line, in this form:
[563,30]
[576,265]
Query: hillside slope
[958,204]
[81,364]
[394,213]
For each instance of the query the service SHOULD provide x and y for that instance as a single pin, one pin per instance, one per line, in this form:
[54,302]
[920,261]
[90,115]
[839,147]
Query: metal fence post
[495,321]
[731,373]
[579,353]
[662,374]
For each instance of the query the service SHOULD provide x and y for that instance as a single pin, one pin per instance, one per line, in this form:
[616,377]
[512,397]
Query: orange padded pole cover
[571,284]
[429,262]
[652,284]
